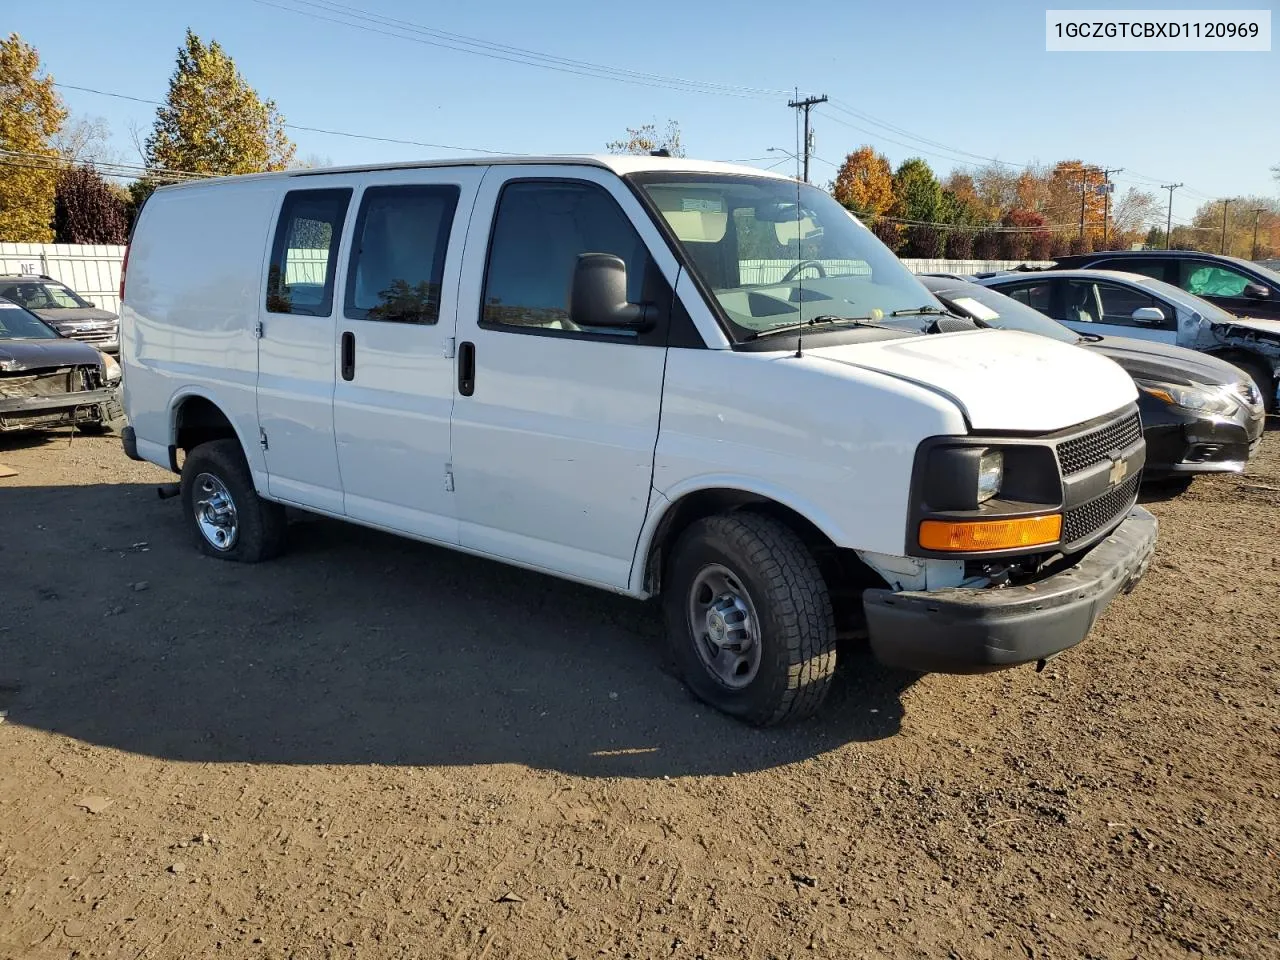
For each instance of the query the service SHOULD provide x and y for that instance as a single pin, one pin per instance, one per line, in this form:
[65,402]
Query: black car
[48,380]
[63,309]
[1199,414]
[1237,286]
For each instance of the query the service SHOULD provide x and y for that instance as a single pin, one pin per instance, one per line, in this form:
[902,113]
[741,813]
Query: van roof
[619,164]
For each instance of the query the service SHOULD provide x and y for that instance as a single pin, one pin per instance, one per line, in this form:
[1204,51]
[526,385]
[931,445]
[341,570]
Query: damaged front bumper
[86,406]
[964,630]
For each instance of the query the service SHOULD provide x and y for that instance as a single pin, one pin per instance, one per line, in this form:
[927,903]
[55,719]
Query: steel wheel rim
[724,626]
[215,512]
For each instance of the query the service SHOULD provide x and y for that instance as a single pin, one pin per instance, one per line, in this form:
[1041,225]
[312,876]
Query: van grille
[1080,453]
[1083,521]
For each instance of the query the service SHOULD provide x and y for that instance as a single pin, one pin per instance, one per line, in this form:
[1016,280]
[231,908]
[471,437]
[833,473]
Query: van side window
[397,255]
[539,229]
[300,279]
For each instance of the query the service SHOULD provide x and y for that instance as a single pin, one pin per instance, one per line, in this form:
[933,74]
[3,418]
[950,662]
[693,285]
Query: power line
[298,126]
[417,33]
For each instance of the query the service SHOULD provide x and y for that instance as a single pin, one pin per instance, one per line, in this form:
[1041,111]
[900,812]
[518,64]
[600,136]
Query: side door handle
[466,368]
[348,355]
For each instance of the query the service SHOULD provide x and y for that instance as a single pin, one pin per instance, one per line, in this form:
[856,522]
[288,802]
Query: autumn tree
[212,121]
[87,210]
[889,233]
[997,188]
[644,140]
[1064,196]
[864,183]
[85,140]
[31,113]
[960,185]
[1241,213]
[1132,212]
[1022,227]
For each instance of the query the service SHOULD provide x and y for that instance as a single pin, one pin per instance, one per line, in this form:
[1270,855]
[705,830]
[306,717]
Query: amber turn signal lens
[973,536]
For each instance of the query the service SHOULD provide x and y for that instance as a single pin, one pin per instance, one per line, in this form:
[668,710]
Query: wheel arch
[845,572]
[195,417]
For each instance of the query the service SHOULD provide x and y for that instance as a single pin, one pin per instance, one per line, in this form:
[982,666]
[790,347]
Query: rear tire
[750,619]
[224,512]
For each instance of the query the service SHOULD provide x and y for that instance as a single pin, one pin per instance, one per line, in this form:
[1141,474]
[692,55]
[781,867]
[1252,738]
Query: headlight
[110,368]
[1195,397]
[990,474]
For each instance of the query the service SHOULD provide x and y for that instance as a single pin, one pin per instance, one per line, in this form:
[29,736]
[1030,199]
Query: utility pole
[1168,224]
[1256,214]
[1106,199]
[806,104]
[1084,193]
[1224,225]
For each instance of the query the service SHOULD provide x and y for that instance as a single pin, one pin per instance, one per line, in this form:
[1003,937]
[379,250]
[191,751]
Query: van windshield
[773,256]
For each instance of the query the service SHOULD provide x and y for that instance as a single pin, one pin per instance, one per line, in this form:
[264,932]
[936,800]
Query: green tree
[213,122]
[138,191]
[864,184]
[643,140]
[917,191]
[87,210]
[31,114]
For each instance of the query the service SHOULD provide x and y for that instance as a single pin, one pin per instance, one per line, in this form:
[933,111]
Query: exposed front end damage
[1260,338]
[55,396]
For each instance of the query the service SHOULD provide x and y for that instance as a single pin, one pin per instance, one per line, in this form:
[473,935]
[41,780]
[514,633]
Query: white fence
[93,271]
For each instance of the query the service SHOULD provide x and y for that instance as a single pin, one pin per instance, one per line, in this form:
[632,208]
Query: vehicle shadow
[33,439]
[356,647]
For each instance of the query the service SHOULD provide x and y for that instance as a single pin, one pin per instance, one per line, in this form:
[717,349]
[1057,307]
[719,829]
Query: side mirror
[1256,291]
[598,295]
[1148,315]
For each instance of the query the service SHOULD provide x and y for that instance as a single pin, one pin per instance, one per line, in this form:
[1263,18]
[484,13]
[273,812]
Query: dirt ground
[372,748]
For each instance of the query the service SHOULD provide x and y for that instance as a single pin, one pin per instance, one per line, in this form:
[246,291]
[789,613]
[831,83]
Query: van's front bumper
[968,631]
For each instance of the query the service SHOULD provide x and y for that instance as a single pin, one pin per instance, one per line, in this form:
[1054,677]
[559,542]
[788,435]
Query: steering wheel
[795,271]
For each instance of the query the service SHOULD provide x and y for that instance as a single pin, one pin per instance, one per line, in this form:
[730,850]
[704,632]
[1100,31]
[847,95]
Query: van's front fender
[663,504]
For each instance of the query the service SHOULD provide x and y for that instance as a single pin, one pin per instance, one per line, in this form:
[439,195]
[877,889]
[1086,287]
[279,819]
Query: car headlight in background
[1196,397]
[110,368]
[990,474]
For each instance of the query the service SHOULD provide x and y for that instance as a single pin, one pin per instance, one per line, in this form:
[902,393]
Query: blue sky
[970,76]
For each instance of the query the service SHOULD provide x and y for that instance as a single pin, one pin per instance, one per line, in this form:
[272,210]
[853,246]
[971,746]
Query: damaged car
[48,380]
[1199,414]
[1111,303]
[63,309]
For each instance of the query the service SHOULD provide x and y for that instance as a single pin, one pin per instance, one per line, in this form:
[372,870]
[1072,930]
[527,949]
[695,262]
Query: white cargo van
[655,376]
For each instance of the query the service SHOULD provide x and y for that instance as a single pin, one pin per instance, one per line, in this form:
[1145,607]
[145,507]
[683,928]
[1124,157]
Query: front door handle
[348,355]
[466,368]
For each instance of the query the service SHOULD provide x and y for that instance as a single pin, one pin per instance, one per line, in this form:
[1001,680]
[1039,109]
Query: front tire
[224,512]
[750,619]
[1263,380]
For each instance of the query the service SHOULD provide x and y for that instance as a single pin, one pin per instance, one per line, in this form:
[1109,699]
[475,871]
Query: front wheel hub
[724,626]
[215,512]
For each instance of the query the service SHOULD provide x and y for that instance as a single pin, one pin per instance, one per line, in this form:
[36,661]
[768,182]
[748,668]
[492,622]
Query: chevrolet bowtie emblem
[1118,470]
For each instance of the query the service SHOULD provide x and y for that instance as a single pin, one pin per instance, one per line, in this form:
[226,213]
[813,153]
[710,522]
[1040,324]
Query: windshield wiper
[927,311]
[1089,338]
[823,319]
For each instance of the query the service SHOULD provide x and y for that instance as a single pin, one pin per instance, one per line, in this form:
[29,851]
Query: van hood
[1001,379]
